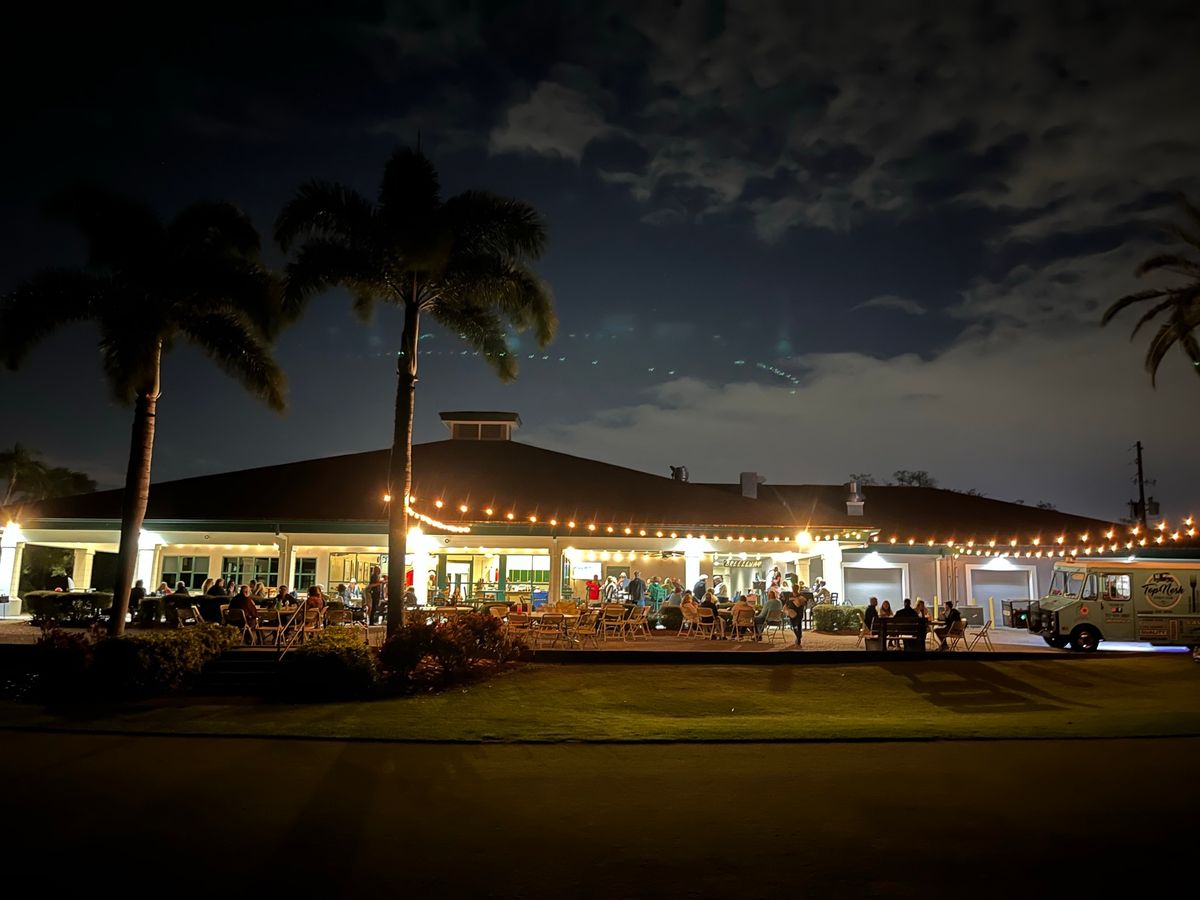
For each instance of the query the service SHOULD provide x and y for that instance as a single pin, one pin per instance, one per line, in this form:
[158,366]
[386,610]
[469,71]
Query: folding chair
[743,625]
[519,624]
[584,630]
[613,620]
[269,623]
[498,610]
[635,625]
[773,626]
[691,621]
[707,623]
[982,636]
[548,628]
[957,636]
[237,618]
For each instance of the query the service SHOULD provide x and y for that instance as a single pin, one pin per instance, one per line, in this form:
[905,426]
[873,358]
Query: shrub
[482,637]
[334,665]
[66,608]
[60,662]
[831,618]
[403,652]
[156,661]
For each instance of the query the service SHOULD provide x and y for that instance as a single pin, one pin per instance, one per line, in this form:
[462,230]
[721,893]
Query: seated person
[922,612]
[691,609]
[772,605]
[885,610]
[907,612]
[871,614]
[953,617]
[244,601]
[316,598]
[710,603]
[741,606]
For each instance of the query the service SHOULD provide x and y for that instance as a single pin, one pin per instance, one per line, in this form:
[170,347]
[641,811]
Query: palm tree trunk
[136,495]
[400,470]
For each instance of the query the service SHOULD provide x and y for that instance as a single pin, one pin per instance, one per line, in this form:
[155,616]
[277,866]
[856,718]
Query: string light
[488,511]
[444,526]
[463,508]
[387,498]
[438,504]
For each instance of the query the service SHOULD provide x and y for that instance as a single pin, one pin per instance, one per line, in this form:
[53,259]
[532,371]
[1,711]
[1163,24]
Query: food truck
[1094,600]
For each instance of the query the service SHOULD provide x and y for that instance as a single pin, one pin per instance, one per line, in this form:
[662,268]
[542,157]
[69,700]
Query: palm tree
[464,262]
[30,479]
[17,466]
[1181,303]
[148,284]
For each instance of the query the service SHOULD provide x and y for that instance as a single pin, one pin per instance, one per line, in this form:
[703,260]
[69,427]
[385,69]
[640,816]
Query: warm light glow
[1061,538]
[509,516]
[658,534]
[609,529]
[1109,534]
[1084,536]
[554,521]
[1037,540]
[892,540]
[488,511]
[571,524]
[1175,536]
[911,542]
[387,498]
[533,518]
[463,508]
[629,531]
[438,503]
[642,532]
[674,535]
[1013,542]
[412,499]
[992,542]
[591,527]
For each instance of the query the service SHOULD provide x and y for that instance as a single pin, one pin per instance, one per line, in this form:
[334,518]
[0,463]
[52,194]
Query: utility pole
[1141,483]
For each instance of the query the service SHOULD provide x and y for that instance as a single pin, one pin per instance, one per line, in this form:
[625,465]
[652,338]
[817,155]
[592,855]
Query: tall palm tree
[28,478]
[1181,303]
[464,262]
[147,285]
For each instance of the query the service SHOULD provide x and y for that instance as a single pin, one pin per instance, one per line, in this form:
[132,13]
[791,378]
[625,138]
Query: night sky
[805,239]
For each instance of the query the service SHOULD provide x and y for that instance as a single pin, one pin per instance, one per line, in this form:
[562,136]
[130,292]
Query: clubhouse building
[496,518]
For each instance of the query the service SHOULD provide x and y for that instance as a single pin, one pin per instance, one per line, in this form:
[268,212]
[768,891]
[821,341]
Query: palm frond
[233,344]
[1178,329]
[326,209]
[1128,300]
[484,223]
[510,290]
[1172,262]
[410,192]
[1151,314]
[44,304]
[483,331]
[120,232]
[214,229]
[238,284]
[323,263]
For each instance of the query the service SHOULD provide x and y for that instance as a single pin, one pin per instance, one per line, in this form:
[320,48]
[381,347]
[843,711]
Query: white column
[81,571]
[286,574]
[419,546]
[144,570]
[831,568]
[556,567]
[691,568]
[12,542]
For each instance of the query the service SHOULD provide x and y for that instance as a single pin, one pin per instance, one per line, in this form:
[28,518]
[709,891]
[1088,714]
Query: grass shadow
[977,687]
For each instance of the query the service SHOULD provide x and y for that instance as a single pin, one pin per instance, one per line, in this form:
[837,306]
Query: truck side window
[1116,587]
[1090,588]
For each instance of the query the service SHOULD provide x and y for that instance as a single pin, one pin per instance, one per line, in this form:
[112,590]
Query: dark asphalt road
[234,817]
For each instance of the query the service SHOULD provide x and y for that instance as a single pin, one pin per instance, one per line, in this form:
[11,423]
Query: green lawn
[1133,696]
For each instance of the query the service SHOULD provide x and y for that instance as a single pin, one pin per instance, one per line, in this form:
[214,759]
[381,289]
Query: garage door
[862,584]
[999,585]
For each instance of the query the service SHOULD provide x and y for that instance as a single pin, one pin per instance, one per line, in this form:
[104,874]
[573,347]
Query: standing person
[609,594]
[657,592]
[623,583]
[793,608]
[593,589]
[720,588]
[953,617]
[637,590]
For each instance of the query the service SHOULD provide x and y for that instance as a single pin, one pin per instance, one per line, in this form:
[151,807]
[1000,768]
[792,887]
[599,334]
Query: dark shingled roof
[509,476]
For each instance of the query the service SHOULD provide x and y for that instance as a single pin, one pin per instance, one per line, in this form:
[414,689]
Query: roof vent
[481,426]
[854,499]
[679,473]
[750,482]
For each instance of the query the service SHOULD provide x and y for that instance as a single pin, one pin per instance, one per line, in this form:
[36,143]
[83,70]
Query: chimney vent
[750,482]
[474,425]
[854,499]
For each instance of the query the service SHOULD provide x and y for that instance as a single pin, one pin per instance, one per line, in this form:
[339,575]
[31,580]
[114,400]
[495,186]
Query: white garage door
[999,585]
[863,584]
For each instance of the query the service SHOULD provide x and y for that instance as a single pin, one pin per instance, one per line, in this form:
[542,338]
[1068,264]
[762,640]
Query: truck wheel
[1057,641]
[1085,638]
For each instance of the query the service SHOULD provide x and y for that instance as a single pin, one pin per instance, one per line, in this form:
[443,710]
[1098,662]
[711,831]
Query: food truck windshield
[1066,583]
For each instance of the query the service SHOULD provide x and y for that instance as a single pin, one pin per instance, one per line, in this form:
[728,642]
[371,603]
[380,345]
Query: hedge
[334,665]
[67,608]
[73,666]
[832,618]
